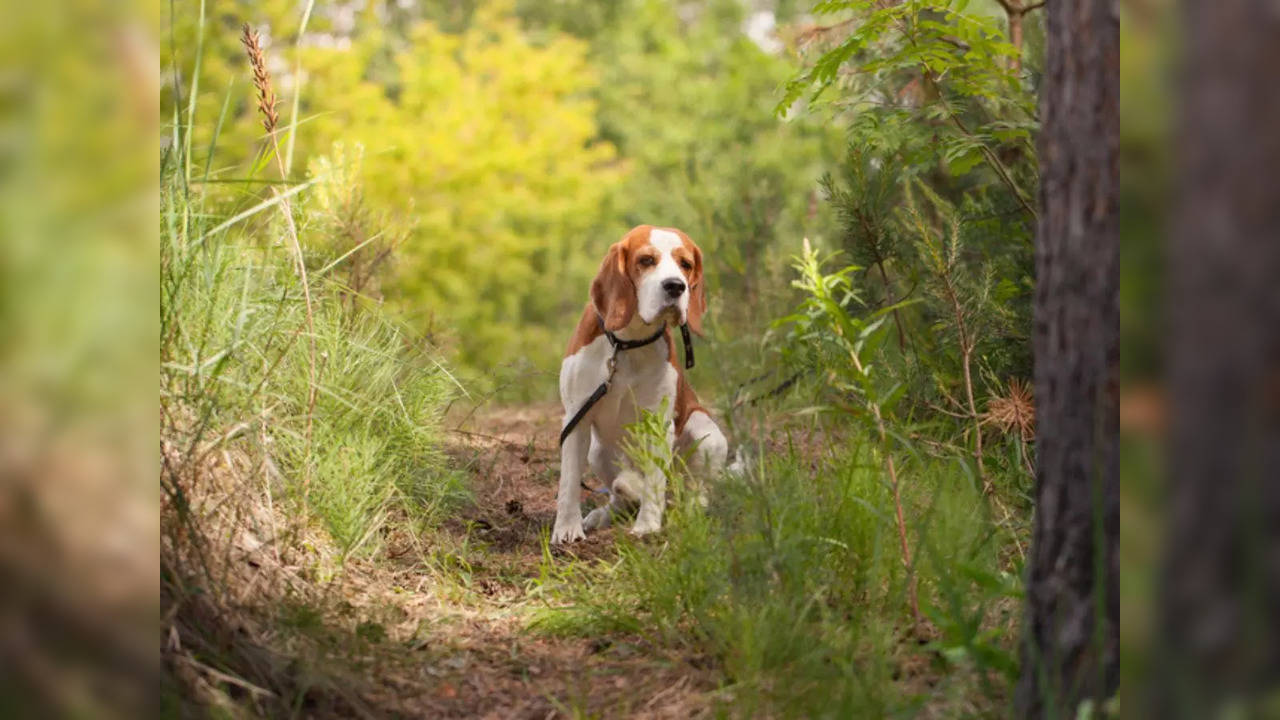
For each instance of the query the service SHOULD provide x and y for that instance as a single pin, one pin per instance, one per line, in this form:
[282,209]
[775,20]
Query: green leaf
[965,162]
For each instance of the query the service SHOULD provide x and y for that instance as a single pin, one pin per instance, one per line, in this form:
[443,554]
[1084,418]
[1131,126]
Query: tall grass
[791,584]
[236,377]
[300,425]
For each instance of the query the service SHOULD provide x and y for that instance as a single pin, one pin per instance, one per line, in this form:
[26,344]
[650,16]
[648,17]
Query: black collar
[620,344]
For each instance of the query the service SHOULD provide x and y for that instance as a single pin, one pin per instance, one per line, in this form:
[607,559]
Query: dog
[621,361]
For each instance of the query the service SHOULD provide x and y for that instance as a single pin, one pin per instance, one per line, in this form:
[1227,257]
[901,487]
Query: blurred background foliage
[470,162]
[499,148]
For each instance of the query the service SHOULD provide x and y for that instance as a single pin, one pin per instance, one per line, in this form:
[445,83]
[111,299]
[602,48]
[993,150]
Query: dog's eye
[646,260]
[686,264]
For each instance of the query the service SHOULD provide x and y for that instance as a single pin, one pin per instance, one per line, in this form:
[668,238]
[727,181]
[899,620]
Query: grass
[792,585]
[236,373]
[301,433]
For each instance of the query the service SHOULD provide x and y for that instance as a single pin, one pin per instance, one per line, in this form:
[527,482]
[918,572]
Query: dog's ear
[697,293]
[612,292]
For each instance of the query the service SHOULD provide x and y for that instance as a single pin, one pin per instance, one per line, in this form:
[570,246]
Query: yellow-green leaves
[487,145]
[474,152]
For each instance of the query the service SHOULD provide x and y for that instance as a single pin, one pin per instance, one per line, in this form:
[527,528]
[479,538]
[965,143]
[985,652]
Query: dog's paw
[568,530]
[646,523]
[626,486]
[598,519]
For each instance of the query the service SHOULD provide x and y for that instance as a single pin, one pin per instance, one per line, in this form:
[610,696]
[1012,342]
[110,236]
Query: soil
[477,658]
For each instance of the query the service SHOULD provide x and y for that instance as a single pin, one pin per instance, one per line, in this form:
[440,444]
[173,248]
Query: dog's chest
[643,378]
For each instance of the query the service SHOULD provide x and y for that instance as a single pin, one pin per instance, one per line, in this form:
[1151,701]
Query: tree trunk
[1071,642]
[1015,39]
[1219,611]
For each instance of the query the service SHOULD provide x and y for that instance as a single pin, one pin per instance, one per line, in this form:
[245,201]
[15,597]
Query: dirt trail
[478,659]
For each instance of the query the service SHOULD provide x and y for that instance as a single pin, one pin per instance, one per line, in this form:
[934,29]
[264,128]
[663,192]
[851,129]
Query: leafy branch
[950,55]
[823,312]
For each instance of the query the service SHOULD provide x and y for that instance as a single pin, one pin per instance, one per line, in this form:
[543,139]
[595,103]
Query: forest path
[466,650]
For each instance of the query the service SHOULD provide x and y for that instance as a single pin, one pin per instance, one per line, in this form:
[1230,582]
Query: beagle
[622,360]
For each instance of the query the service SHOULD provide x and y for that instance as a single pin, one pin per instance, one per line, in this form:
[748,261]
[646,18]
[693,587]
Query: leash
[619,345]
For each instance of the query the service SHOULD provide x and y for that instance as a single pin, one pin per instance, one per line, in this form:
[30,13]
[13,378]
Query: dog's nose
[673,287]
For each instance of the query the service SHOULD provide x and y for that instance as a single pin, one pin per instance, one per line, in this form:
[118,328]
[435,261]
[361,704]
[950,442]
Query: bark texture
[1220,588]
[1071,641]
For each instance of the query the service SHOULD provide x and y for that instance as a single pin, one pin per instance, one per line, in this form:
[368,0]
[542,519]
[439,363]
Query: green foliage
[972,305]
[488,144]
[235,377]
[935,111]
[791,582]
[354,239]
[501,150]
[825,333]
[864,199]
[647,445]
[938,65]
[479,148]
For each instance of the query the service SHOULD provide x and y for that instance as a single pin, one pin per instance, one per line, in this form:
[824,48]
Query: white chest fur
[643,378]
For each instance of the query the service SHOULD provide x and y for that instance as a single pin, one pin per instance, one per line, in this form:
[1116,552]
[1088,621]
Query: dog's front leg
[573,461]
[653,489]
[653,498]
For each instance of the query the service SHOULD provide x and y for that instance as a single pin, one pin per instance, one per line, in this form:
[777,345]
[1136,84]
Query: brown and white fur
[650,279]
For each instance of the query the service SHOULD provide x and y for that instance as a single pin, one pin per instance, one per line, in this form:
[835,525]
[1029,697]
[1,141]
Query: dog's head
[655,273]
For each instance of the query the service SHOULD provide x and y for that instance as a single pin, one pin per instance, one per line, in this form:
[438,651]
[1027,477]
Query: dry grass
[1014,410]
[1014,413]
[261,79]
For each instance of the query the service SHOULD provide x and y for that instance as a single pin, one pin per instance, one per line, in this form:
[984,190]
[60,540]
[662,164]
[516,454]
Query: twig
[224,677]
[992,160]
[469,433]
[967,344]
[684,680]
[944,411]
[812,33]
[773,392]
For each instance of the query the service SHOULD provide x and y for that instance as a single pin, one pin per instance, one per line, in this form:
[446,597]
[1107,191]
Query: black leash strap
[586,406]
[688,346]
